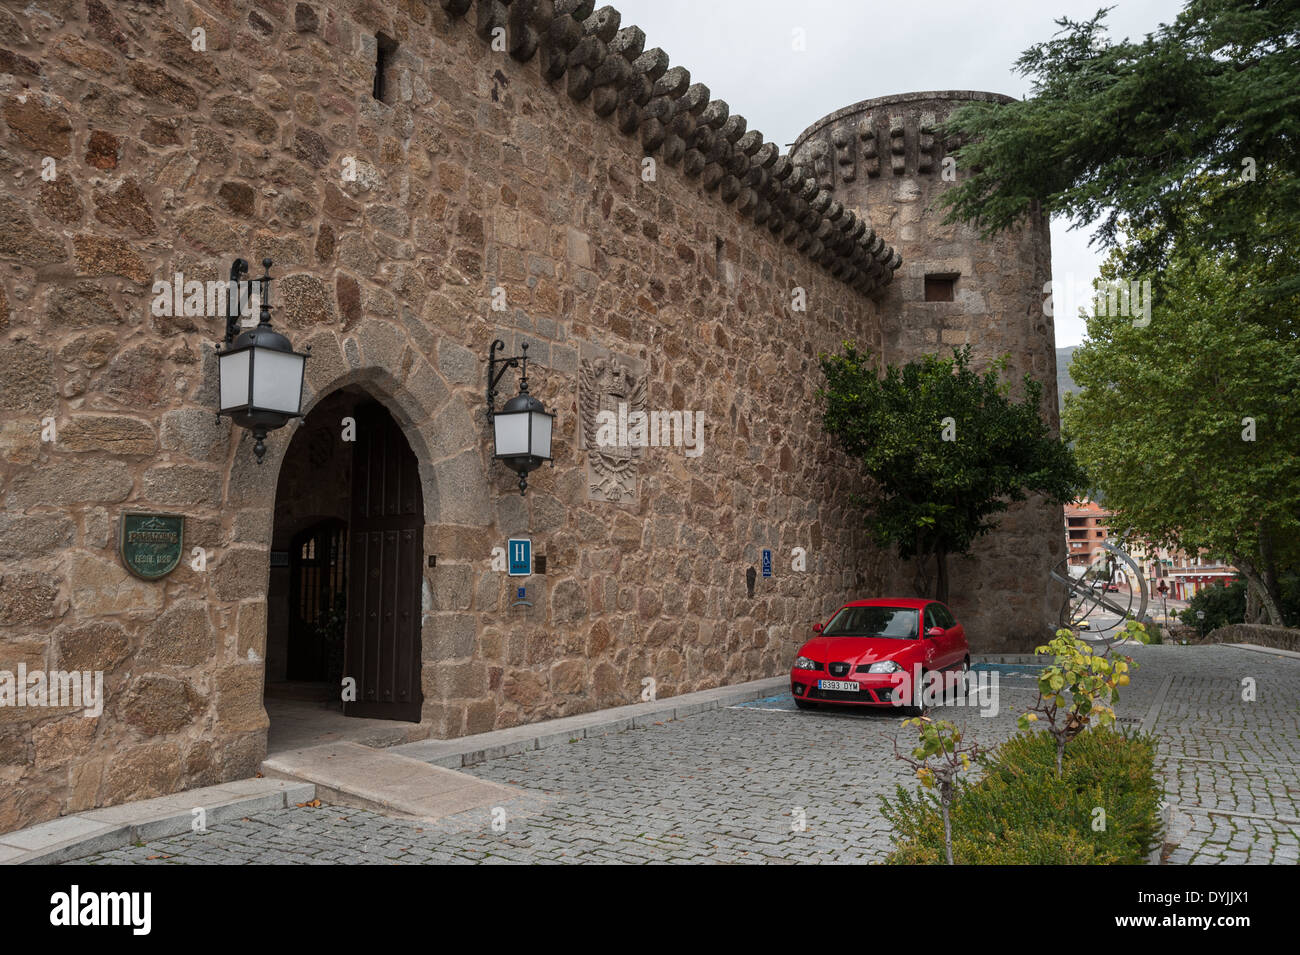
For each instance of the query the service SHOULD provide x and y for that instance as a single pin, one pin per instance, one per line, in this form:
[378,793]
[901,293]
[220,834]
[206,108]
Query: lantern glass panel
[277,381]
[541,435]
[510,430]
[234,379]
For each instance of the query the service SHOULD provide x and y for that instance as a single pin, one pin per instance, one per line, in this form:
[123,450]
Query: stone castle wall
[129,155]
[887,159]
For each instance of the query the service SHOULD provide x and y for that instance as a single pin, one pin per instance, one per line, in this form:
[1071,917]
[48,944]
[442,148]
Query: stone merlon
[678,121]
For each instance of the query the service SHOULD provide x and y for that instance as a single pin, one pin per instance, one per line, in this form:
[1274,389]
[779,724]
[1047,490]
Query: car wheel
[805,704]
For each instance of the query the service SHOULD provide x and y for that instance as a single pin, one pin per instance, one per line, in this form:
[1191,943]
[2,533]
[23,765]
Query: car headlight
[885,666]
[804,663]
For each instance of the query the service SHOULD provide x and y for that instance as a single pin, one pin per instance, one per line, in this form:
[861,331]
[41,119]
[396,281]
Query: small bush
[1222,606]
[1021,813]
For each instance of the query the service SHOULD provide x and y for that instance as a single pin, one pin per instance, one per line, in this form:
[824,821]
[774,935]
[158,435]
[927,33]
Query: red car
[869,649]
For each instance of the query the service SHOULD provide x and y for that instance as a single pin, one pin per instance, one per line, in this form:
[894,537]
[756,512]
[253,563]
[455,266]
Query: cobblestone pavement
[728,785]
[1232,765]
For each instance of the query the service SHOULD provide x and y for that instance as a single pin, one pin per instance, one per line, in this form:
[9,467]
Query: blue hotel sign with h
[519,551]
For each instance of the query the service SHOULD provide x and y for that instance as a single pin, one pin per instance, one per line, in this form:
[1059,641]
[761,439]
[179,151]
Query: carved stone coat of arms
[608,392]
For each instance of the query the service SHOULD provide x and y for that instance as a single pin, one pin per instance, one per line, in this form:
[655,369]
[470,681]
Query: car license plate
[838,685]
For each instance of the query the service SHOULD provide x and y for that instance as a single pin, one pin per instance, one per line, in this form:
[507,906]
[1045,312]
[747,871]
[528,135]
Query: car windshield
[896,622]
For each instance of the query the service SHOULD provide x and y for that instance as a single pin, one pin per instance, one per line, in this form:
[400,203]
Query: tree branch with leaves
[1079,687]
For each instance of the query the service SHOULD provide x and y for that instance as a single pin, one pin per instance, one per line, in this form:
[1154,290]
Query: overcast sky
[857,49]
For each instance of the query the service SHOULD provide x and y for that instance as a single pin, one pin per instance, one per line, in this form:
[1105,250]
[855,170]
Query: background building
[1184,575]
[1085,531]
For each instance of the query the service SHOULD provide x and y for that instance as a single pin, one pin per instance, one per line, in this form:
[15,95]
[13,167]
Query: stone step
[349,774]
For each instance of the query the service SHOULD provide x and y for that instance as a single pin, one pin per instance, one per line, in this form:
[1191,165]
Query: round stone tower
[886,159]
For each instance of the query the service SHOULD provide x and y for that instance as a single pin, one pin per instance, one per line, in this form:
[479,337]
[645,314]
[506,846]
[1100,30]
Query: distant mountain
[1064,383]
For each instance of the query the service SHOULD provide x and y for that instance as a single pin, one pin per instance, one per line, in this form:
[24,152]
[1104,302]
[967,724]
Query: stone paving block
[719,786]
[11,854]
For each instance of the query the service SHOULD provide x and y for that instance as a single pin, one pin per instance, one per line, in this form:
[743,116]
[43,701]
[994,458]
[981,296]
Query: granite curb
[1017,658]
[1260,648]
[101,830]
[472,750]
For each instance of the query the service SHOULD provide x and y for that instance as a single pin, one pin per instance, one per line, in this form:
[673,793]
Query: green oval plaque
[150,544]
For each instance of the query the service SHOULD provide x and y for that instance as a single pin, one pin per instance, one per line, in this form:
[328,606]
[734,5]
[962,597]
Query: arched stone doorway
[344,589]
[375,360]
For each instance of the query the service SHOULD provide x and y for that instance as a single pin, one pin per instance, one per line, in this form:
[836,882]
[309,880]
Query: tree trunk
[1254,607]
[941,577]
[1268,569]
[1253,578]
[922,579]
[947,833]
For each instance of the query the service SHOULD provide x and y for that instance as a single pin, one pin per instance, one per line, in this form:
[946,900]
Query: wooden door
[387,548]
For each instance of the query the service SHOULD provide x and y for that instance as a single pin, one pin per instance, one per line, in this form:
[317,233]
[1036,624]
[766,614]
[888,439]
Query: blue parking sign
[520,551]
[767,563]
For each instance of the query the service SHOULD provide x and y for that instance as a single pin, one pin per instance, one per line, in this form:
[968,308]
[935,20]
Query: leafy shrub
[1289,606]
[1021,813]
[1222,606]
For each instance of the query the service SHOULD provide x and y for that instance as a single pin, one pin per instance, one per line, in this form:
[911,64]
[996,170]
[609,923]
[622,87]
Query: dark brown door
[387,549]
[317,590]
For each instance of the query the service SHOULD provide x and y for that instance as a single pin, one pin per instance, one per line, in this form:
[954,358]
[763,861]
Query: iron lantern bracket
[495,373]
[238,269]
[234,298]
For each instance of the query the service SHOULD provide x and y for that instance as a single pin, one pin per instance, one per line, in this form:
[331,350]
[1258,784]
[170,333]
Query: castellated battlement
[894,135]
[887,160]
[588,54]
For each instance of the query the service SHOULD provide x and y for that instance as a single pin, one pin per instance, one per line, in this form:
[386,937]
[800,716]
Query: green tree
[1182,147]
[1079,686]
[940,741]
[1189,133]
[1187,425]
[946,449]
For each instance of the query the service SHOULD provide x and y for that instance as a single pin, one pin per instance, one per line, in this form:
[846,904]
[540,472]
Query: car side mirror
[817,628]
[934,632]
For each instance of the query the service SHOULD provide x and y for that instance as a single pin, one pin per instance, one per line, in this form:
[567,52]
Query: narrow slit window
[385,48]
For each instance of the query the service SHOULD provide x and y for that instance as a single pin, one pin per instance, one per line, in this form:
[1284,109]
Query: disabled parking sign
[767,563]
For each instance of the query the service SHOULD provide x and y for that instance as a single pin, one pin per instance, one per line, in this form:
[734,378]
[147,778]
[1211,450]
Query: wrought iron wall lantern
[521,431]
[261,375]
